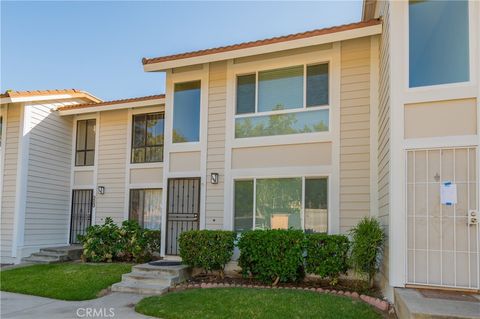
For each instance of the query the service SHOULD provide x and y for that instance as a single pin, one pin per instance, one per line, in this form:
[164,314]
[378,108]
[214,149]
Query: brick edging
[378,303]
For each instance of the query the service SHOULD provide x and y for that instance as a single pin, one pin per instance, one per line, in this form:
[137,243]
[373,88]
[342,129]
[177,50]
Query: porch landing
[55,255]
[422,303]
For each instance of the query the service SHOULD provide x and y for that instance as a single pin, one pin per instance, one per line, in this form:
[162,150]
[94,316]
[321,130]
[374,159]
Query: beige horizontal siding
[9,172]
[384,133]
[111,165]
[217,88]
[354,132]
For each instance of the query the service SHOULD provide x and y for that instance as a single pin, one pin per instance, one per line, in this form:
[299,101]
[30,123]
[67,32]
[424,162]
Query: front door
[442,246]
[81,219]
[183,210]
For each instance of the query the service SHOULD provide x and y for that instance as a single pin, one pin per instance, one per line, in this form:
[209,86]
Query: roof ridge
[249,44]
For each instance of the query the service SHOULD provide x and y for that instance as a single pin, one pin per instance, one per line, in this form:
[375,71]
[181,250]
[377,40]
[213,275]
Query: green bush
[327,255]
[272,255]
[207,249]
[367,247]
[109,242]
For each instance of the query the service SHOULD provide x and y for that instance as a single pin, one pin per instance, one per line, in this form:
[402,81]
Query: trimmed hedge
[327,255]
[272,256]
[109,242]
[207,249]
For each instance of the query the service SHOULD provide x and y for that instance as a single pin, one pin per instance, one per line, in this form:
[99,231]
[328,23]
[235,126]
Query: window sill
[282,139]
[146,165]
[83,168]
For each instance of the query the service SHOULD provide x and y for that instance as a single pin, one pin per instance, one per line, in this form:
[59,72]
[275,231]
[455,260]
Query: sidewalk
[114,306]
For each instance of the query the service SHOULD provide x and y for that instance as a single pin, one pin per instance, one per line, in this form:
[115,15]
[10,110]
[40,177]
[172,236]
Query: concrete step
[149,279]
[413,304]
[38,260]
[143,289]
[74,252]
[52,257]
[183,272]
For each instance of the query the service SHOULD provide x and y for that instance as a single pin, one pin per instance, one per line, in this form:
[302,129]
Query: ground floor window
[145,207]
[281,203]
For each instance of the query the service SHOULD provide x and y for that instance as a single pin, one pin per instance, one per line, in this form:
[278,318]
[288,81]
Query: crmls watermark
[89,312]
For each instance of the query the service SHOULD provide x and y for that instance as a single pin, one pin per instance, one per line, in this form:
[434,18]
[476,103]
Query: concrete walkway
[113,306]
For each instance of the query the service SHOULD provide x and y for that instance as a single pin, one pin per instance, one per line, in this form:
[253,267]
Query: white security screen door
[442,248]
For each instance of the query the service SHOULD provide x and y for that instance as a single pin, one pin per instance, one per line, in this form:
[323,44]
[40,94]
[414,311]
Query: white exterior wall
[47,208]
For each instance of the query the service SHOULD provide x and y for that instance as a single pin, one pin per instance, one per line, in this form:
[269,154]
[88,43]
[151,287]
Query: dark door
[82,204]
[183,210]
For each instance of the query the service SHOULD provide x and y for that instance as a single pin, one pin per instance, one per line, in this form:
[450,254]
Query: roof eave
[110,107]
[34,98]
[268,48]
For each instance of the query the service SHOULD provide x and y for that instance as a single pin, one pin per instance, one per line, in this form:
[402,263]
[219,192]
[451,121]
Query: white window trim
[448,91]
[302,210]
[95,117]
[131,113]
[197,75]
[313,58]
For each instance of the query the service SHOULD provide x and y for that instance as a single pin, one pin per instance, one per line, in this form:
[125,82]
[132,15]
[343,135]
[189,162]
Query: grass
[253,303]
[65,281]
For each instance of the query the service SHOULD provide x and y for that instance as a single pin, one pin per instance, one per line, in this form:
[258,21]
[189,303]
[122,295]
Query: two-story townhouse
[279,132]
[428,137]
[35,170]
[312,131]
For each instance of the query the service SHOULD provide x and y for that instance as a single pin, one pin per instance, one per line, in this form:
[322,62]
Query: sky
[97,46]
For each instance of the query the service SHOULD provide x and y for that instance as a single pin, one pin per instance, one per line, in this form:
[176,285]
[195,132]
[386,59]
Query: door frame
[432,147]
[198,220]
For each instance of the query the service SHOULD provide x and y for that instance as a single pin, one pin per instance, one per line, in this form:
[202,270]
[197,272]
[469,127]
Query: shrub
[367,247]
[272,255]
[207,249]
[109,242]
[327,255]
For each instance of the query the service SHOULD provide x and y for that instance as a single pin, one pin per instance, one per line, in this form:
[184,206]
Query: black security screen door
[82,204]
[183,210]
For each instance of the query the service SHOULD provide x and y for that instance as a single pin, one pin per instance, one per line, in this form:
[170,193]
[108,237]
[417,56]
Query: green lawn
[65,281]
[253,303]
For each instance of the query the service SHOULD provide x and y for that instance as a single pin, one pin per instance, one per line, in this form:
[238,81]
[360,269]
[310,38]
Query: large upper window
[145,207]
[438,42]
[290,100]
[147,138]
[186,112]
[281,203]
[85,146]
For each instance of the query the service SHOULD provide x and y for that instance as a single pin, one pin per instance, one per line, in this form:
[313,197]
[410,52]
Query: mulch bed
[351,285]
[344,288]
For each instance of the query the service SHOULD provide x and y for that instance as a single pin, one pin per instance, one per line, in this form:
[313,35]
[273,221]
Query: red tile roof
[73,92]
[136,99]
[257,43]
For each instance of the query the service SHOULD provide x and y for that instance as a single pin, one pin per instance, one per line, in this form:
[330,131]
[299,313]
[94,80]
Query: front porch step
[55,255]
[414,304]
[147,279]
[181,271]
[142,289]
